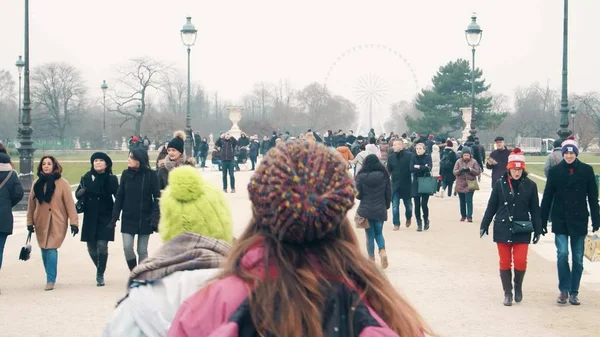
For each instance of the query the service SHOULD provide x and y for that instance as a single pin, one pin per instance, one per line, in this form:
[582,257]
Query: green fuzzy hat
[192,204]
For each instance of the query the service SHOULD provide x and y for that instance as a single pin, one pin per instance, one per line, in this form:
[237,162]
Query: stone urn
[466,116]
[77,144]
[235,115]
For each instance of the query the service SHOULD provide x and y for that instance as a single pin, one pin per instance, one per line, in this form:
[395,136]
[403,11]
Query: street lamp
[564,131]
[139,112]
[188,36]
[573,113]
[20,64]
[473,34]
[104,87]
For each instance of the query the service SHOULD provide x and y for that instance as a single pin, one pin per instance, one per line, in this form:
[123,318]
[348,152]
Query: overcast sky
[241,42]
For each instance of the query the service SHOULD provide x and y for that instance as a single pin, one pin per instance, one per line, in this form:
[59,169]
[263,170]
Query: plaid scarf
[187,251]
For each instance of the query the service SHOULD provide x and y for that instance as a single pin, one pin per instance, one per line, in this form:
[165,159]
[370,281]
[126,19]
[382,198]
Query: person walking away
[194,248]
[4,150]
[372,147]
[11,192]
[481,153]
[317,248]
[399,167]
[50,211]
[371,133]
[359,160]
[96,189]
[375,195]
[420,166]
[466,169]
[345,152]
[513,198]
[203,152]
[175,158]
[227,144]
[357,145]
[137,199]
[253,151]
[197,146]
[569,185]
[447,169]
[351,138]
[498,160]
[553,158]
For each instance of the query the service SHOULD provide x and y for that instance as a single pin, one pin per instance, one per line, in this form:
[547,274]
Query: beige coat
[51,221]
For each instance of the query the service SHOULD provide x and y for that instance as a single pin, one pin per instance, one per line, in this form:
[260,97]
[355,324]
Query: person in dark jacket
[264,145]
[244,140]
[175,158]
[351,138]
[11,192]
[375,195]
[480,153]
[137,197]
[203,152]
[227,144]
[514,197]
[399,167]
[253,152]
[447,163]
[569,186]
[498,160]
[97,188]
[420,166]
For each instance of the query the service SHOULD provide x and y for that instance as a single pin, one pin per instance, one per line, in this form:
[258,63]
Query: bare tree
[587,120]
[313,99]
[263,93]
[8,105]
[58,93]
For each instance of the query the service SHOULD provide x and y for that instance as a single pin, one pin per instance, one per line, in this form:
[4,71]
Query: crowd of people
[299,258]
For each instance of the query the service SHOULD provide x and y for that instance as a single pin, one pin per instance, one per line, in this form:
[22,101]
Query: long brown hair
[296,293]
[56,168]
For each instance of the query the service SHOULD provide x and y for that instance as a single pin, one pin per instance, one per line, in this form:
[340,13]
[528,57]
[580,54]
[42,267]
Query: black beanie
[177,142]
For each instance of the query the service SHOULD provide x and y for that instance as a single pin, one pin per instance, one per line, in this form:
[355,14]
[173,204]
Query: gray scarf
[170,164]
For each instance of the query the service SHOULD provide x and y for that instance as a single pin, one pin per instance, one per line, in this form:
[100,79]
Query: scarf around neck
[47,180]
[170,164]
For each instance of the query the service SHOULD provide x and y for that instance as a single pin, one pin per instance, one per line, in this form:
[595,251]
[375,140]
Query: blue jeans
[374,234]
[569,280]
[202,161]
[449,186]
[3,237]
[50,259]
[466,205]
[228,166]
[396,208]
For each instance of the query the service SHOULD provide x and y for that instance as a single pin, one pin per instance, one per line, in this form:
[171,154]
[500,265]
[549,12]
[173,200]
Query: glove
[536,238]
[483,232]
[465,170]
[544,231]
[154,224]
[74,230]
[30,229]
[595,228]
[112,224]
[80,193]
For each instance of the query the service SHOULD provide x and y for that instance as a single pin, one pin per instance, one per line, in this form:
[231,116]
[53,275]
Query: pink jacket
[207,312]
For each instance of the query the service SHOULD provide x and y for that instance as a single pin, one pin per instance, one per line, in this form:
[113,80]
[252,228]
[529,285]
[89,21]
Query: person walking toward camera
[570,185]
[228,144]
[399,167]
[137,197]
[95,193]
[11,192]
[447,169]
[50,211]
[175,158]
[498,159]
[420,166]
[514,208]
[466,171]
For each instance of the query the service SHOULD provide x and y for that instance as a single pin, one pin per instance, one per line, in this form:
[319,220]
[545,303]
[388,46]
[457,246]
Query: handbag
[25,253]
[361,222]
[517,227]
[80,204]
[427,185]
[472,185]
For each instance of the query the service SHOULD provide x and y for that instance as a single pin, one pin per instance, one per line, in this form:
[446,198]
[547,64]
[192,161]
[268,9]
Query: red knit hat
[516,159]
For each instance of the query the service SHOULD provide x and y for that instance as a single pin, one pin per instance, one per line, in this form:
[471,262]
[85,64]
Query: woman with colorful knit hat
[514,208]
[195,226]
[298,270]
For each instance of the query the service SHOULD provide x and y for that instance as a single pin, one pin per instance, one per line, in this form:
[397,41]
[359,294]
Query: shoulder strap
[6,179]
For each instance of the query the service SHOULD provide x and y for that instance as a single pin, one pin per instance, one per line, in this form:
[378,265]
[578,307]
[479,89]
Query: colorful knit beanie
[570,145]
[516,159]
[192,204]
[301,192]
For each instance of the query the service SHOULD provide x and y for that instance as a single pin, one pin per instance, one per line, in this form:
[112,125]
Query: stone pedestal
[235,115]
[77,144]
[124,146]
[466,116]
[116,145]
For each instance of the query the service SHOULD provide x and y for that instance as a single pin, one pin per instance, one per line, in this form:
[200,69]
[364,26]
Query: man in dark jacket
[11,192]
[227,144]
[399,167]
[498,160]
[569,185]
[480,152]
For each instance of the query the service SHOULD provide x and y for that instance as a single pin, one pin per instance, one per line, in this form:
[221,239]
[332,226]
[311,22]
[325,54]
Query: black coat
[524,206]
[447,162]
[203,149]
[501,157]
[227,147]
[375,195]
[137,197]
[254,149]
[98,209]
[399,167]
[569,193]
[424,169]
[10,195]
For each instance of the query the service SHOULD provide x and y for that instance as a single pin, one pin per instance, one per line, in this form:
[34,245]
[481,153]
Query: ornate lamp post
[20,64]
[188,36]
[564,131]
[139,112]
[104,87]
[573,113]
[473,34]
[26,148]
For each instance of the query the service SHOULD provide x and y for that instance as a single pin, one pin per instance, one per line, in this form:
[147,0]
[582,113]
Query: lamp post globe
[188,37]
[473,34]
[104,87]
[20,64]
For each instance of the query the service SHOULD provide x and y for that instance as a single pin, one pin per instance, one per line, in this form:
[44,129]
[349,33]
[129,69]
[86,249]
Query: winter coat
[169,165]
[345,152]
[373,149]
[51,221]
[203,149]
[569,193]
[243,141]
[424,162]
[435,161]
[254,149]
[10,195]
[384,149]
[447,166]
[552,159]
[523,205]
[461,178]
[137,197]
[97,214]
[375,195]
[227,148]
[358,161]
[501,157]
[222,308]
[399,167]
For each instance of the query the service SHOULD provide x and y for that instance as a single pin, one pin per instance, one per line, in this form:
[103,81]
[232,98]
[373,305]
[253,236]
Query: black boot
[426,224]
[419,225]
[132,263]
[505,276]
[102,259]
[94,259]
[519,275]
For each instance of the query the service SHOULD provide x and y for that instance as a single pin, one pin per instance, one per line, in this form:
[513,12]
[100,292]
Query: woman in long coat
[96,190]
[466,169]
[51,208]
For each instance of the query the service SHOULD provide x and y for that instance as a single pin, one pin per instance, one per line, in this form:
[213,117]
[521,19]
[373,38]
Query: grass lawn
[72,172]
[586,158]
